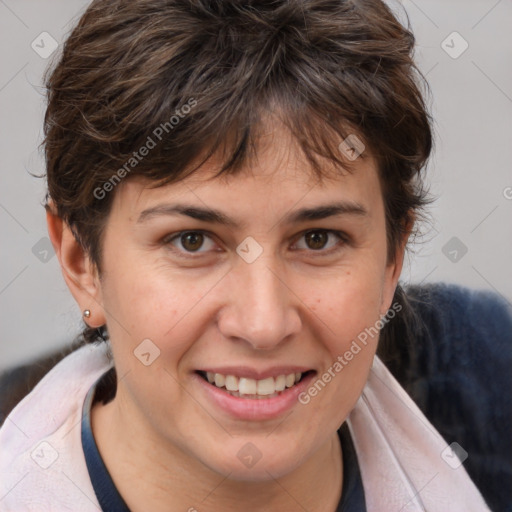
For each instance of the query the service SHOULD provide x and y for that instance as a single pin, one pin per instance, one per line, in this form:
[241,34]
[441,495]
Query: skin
[165,444]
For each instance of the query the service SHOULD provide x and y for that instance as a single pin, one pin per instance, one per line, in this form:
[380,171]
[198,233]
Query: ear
[394,269]
[78,270]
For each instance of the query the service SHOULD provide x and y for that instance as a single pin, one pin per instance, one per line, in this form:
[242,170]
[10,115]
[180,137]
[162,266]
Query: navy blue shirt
[352,499]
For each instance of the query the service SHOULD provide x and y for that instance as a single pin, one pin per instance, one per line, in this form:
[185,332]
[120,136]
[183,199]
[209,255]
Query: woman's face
[247,280]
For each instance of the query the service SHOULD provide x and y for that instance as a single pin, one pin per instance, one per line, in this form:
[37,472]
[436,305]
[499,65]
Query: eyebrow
[218,217]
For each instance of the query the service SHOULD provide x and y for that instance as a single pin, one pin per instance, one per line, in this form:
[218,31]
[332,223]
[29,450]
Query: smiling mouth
[242,387]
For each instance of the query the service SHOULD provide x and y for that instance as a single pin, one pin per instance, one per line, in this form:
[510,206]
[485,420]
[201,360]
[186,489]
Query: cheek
[349,335]
[347,305]
[347,313]
[150,332]
[153,303]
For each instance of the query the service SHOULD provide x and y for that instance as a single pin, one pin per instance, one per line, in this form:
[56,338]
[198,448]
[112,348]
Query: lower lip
[254,409]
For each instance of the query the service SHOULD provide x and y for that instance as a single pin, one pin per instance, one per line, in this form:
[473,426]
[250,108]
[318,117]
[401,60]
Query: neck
[167,477]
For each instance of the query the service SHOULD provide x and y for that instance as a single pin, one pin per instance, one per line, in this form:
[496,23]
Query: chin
[252,464]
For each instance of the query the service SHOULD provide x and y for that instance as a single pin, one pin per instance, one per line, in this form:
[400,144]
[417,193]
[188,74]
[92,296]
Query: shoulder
[448,303]
[40,444]
[461,357]
[464,337]
[49,402]
[475,322]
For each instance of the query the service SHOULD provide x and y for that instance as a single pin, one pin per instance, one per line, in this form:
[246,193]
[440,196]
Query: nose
[261,309]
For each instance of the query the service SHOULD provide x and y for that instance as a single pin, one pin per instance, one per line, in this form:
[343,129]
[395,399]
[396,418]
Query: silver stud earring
[87,313]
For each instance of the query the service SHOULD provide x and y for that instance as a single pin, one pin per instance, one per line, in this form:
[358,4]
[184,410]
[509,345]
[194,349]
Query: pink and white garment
[402,458]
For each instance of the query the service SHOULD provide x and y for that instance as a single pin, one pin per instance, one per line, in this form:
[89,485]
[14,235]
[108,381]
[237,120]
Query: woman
[231,190]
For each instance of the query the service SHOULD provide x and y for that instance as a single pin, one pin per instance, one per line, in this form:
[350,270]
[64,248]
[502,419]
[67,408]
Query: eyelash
[343,238]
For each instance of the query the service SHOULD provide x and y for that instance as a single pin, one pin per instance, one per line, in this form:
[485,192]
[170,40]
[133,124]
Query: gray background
[470,172]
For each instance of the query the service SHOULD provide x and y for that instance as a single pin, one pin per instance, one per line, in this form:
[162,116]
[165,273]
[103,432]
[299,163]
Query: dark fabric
[459,372]
[352,494]
[352,499]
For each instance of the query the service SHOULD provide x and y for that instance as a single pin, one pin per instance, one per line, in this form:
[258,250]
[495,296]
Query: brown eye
[323,241]
[316,239]
[192,241]
[191,244]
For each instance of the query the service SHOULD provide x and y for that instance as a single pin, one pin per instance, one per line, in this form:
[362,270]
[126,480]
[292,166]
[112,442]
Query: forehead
[277,178]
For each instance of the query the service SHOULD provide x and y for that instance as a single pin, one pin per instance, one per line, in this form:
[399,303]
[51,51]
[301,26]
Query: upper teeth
[245,386]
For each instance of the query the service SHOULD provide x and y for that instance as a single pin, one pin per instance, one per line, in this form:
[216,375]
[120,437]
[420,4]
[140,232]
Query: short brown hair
[331,68]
